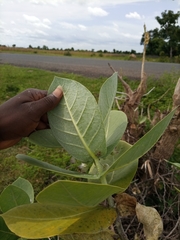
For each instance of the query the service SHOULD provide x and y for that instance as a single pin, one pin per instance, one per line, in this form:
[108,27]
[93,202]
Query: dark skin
[26,113]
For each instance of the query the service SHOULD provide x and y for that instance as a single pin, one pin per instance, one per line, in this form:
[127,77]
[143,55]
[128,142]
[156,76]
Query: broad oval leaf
[11,197]
[121,177]
[44,138]
[36,221]
[26,186]
[76,122]
[95,221]
[115,127]
[142,146]
[77,193]
[107,95]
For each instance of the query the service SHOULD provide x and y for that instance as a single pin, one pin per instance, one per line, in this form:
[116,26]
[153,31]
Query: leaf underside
[50,167]
[76,122]
[44,138]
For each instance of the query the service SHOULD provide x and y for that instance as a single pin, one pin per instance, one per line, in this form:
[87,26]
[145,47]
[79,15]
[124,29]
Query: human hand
[26,113]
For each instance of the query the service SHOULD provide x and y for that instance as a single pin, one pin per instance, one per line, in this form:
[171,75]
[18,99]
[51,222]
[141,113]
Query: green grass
[90,54]
[16,79]
[80,53]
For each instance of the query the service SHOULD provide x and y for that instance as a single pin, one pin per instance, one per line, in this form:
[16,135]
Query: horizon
[90,24]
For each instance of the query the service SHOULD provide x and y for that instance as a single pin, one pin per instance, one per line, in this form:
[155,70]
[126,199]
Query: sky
[81,24]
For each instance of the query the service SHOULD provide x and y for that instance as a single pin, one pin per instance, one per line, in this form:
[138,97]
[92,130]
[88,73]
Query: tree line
[164,41]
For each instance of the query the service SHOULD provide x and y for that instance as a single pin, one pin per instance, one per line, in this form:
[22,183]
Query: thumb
[49,102]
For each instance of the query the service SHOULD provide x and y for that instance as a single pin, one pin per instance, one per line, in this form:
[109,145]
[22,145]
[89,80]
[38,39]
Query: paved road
[90,67]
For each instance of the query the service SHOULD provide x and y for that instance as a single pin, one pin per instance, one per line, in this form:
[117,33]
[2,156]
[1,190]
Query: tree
[170,30]
[133,51]
[156,44]
[166,39]
[45,47]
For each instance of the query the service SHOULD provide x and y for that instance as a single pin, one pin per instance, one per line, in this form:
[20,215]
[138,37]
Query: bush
[67,53]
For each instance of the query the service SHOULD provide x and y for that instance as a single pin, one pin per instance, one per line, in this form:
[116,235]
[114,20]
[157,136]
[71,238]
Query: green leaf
[76,122]
[54,168]
[115,127]
[26,186]
[46,220]
[11,197]
[141,146]
[97,220]
[44,138]
[5,233]
[121,177]
[107,95]
[74,193]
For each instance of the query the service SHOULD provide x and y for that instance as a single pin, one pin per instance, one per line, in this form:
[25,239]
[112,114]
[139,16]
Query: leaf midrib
[78,132]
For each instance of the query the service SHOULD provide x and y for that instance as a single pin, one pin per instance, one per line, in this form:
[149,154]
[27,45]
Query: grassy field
[85,54]
[90,54]
[16,79]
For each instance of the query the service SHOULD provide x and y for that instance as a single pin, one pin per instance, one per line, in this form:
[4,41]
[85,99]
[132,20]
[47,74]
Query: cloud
[106,2]
[31,19]
[45,2]
[131,36]
[104,35]
[70,26]
[133,15]
[46,21]
[82,27]
[96,11]
[41,32]
[67,25]
[37,22]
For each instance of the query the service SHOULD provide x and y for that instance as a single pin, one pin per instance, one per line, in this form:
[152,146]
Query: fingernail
[58,92]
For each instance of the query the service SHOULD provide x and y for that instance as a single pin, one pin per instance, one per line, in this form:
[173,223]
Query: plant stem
[118,223]
[110,199]
[98,165]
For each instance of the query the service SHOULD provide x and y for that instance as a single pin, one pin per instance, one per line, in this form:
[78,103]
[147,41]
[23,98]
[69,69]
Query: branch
[120,229]
[176,226]
[125,85]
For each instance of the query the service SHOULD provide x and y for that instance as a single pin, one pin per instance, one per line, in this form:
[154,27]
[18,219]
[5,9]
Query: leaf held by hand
[77,122]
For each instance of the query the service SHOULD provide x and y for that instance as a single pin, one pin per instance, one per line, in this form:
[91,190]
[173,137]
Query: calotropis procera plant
[91,132]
